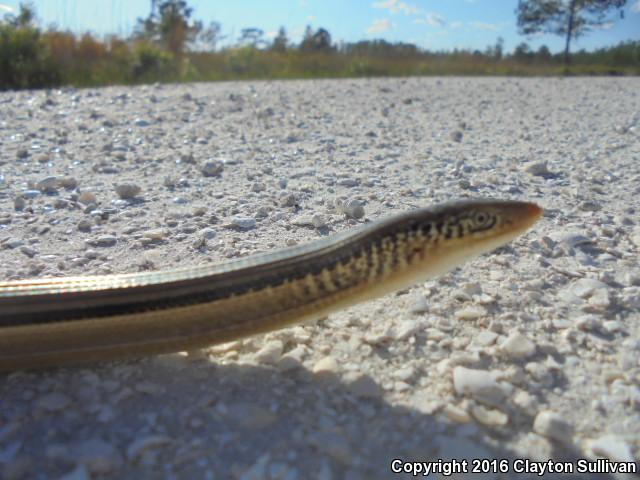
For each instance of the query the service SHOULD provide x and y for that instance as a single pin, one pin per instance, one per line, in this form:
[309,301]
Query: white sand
[542,338]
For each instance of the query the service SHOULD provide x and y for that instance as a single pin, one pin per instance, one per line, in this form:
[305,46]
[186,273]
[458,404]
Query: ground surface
[542,337]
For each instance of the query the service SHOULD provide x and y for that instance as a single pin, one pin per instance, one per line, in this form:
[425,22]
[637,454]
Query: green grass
[30,58]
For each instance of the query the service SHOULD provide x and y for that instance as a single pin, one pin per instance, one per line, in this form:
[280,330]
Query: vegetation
[169,46]
[25,57]
[570,19]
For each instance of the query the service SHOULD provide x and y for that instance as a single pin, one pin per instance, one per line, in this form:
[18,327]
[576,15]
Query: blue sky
[433,24]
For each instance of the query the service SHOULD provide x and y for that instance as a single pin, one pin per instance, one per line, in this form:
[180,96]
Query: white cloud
[396,6]
[408,9]
[635,8]
[379,26]
[7,8]
[385,4]
[455,24]
[484,26]
[435,20]
[311,18]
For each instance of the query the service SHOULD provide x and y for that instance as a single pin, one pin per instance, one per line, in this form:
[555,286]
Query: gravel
[530,352]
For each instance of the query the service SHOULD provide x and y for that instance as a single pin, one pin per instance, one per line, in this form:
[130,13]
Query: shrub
[25,60]
[151,63]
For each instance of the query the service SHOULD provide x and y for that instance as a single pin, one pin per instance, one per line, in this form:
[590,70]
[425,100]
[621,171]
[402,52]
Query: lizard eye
[482,220]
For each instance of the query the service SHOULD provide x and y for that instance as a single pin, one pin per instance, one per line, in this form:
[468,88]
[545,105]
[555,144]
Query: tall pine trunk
[572,8]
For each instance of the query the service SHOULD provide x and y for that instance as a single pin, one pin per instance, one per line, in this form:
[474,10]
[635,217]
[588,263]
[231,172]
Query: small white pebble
[406,329]
[517,346]
[490,417]
[419,305]
[485,338]
[155,234]
[318,221]
[611,447]
[326,365]
[352,208]
[362,385]
[208,233]
[525,401]
[269,353]
[456,413]
[600,299]
[471,312]
[586,287]
[479,384]
[552,425]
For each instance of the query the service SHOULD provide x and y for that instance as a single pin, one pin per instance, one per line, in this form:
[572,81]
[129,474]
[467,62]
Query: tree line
[170,45]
